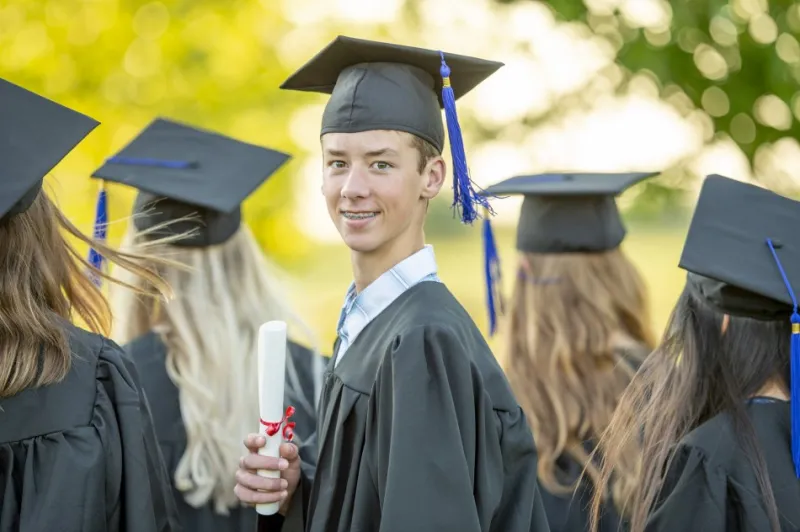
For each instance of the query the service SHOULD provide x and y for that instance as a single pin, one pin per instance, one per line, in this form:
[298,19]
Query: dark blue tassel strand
[465,199]
[158,163]
[100,224]
[491,265]
[794,365]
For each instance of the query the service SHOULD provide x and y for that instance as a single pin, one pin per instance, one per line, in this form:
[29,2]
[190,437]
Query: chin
[361,243]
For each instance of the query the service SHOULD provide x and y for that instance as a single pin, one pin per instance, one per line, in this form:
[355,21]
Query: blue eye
[337,164]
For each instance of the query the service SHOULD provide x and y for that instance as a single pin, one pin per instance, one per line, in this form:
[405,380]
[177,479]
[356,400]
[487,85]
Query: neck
[774,389]
[368,266]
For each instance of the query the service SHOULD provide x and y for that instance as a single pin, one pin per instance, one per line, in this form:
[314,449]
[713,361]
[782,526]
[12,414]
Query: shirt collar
[361,308]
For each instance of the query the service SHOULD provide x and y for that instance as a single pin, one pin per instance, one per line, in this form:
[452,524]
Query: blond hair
[43,285]
[573,316]
[210,330]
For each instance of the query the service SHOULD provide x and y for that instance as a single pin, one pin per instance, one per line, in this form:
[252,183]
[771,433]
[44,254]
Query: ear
[726,319]
[433,177]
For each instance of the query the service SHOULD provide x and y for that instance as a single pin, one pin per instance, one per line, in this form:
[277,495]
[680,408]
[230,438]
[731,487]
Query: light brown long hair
[696,373]
[573,316]
[43,282]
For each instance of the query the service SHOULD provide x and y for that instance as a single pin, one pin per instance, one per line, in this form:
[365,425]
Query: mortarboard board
[742,252]
[561,213]
[731,266]
[35,134]
[569,212]
[375,85]
[185,171]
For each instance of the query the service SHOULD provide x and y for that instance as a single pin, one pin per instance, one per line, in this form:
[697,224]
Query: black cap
[376,85]
[569,212]
[35,134]
[182,170]
[726,252]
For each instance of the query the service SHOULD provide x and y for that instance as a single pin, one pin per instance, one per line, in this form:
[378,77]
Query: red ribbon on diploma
[274,426]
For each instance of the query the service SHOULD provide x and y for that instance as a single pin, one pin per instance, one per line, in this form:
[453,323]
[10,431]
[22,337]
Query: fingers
[252,481]
[254,442]
[289,451]
[255,462]
[248,496]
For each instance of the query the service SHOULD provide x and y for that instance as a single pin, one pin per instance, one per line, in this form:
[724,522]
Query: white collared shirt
[360,309]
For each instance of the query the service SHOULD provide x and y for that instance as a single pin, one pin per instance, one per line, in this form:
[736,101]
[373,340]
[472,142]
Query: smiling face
[375,192]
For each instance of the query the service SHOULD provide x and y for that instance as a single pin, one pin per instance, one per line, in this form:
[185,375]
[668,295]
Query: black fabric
[25,202]
[81,455]
[711,485]
[35,134]
[730,299]
[375,85]
[568,212]
[200,226]
[569,225]
[208,176]
[726,247]
[149,354]
[419,430]
[571,512]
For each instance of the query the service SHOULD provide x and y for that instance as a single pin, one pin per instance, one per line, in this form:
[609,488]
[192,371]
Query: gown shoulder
[712,482]
[93,429]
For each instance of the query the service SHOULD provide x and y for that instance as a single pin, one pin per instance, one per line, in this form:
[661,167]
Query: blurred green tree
[737,60]
[125,62]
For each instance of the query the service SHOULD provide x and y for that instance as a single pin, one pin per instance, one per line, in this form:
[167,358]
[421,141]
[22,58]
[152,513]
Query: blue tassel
[491,265]
[465,199]
[100,224]
[794,362]
[143,161]
[795,398]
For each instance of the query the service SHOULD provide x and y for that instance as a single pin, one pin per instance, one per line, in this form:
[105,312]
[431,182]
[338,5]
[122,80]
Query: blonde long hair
[43,285]
[573,316]
[210,329]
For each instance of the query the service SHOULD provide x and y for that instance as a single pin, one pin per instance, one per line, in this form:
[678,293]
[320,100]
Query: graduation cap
[375,85]
[183,171]
[561,213]
[742,253]
[35,134]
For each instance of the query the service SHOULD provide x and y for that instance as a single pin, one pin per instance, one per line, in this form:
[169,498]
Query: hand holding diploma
[254,489]
[269,474]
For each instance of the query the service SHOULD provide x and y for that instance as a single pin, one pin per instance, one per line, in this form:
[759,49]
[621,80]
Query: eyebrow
[373,153]
[383,151]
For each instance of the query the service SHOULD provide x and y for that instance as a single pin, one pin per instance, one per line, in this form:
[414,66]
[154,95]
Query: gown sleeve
[434,444]
[694,496]
[146,498]
[304,369]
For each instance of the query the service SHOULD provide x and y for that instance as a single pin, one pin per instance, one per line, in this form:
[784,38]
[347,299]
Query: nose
[355,184]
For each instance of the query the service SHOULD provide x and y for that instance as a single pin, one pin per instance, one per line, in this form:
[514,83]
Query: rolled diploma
[271,378]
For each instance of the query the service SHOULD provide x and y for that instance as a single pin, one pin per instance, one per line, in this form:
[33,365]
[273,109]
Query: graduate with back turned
[418,427]
[716,406]
[196,353]
[78,452]
[578,328]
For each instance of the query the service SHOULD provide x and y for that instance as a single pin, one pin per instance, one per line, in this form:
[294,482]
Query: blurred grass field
[318,290]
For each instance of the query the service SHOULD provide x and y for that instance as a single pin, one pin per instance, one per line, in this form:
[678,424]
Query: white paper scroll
[271,378]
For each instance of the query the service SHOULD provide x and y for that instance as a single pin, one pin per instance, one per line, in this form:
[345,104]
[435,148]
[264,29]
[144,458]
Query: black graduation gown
[711,486]
[149,353]
[419,431]
[571,512]
[81,455]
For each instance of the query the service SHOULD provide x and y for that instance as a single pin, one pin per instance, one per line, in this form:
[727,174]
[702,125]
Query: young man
[419,430]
